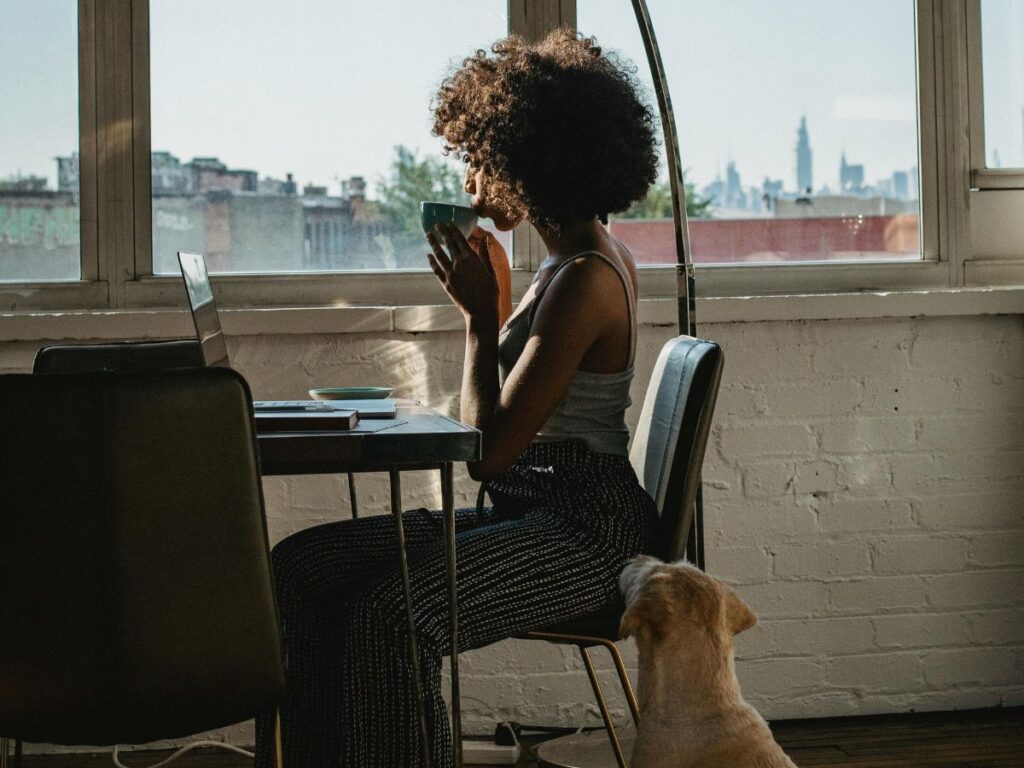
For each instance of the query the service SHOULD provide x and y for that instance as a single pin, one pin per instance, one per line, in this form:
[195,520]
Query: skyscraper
[851,176]
[804,172]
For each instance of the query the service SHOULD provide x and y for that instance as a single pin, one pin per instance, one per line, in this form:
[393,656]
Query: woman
[553,133]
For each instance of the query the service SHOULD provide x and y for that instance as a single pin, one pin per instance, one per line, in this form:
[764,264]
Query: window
[39,160]
[798,126]
[1002,51]
[295,136]
[864,104]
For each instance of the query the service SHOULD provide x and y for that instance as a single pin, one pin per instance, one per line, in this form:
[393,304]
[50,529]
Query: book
[306,421]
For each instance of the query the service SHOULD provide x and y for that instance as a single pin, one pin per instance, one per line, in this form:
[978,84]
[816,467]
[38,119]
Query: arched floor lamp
[685,283]
[592,750]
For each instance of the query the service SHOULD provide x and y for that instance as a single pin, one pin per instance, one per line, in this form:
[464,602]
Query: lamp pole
[685,284]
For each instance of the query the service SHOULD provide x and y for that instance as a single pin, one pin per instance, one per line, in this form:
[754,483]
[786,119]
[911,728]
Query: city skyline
[298,90]
[170,175]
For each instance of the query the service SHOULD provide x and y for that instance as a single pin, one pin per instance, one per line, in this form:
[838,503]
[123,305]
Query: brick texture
[864,491]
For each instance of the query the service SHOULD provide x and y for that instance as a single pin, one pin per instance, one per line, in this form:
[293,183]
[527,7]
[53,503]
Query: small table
[418,438]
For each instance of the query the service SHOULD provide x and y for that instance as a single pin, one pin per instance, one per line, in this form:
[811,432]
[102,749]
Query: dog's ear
[738,615]
[648,612]
[630,623]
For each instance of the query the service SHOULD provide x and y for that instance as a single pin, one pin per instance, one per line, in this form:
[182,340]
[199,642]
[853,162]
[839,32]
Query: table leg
[448,505]
[352,500]
[4,747]
[414,651]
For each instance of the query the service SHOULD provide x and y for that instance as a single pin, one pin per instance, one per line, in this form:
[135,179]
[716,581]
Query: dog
[692,714]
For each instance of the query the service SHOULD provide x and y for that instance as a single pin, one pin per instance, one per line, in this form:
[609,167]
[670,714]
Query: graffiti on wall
[50,227]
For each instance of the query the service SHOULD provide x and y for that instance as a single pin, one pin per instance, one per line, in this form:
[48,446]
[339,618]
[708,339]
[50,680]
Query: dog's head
[664,599]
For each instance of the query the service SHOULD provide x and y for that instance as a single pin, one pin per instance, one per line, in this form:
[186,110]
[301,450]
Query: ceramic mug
[462,216]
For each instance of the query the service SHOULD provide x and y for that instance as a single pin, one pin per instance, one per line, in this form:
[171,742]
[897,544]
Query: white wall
[864,490]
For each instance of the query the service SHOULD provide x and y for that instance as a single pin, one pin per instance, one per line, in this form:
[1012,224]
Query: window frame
[116,198]
[982,177]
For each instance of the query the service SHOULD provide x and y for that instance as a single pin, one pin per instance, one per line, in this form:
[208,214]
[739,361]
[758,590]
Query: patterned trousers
[564,521]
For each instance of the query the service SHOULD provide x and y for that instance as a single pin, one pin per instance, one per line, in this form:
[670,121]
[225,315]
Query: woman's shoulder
[599,271]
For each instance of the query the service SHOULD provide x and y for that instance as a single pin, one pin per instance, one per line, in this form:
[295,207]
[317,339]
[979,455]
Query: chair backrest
[135,575]
[119,356]
[672,435]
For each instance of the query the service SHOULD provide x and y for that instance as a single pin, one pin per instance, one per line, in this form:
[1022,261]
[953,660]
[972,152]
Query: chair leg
[278,748]
[627,687]
[17,754]
[613,737]
[4,747]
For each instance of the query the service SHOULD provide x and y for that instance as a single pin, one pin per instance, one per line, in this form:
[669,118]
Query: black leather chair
[667,453]
[119,356]
[135,356]
[135,572]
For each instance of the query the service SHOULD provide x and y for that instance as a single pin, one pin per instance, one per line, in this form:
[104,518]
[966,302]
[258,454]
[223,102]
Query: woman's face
[476,185]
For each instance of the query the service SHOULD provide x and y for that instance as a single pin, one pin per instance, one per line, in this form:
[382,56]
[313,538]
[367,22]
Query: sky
[324,89]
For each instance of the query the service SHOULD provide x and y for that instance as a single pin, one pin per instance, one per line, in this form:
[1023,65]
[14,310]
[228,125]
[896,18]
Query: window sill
[82,325]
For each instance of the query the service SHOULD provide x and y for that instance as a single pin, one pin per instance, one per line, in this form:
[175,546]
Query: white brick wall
[864,491]
[883,477]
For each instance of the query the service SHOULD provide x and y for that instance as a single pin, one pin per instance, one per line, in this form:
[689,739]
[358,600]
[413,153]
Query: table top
[417,438]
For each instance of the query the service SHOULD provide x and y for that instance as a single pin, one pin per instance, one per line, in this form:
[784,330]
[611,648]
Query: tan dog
[691,710]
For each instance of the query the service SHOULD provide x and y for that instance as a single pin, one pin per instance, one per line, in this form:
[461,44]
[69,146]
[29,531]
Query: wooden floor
[977,739]
[990,738]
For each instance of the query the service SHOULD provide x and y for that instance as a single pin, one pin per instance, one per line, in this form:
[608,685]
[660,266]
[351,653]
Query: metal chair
[135,575]
[667,454]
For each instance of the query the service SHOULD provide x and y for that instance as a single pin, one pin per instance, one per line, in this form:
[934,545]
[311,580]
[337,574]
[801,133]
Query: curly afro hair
[559,127]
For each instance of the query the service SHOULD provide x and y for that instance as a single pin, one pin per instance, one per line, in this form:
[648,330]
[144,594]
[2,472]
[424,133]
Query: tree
[658,204]
[410,182]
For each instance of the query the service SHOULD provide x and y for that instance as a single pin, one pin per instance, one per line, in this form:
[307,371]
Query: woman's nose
[469,185]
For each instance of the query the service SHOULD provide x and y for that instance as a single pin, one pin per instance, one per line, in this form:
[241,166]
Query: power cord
[183,750]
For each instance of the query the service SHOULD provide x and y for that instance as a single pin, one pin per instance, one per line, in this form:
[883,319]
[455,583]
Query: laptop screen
[204,310]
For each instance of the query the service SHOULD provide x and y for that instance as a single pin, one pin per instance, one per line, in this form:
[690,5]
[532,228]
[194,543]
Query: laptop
[215,353]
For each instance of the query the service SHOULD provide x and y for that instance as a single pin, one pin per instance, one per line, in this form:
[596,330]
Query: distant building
[211,175]
[67,173]
[271,186]
[39,231]
[851,177]
[30,184]
[754,199]
[804,166]
[715,192]
[901,185]
[735,197]
[839,206]
[169,175]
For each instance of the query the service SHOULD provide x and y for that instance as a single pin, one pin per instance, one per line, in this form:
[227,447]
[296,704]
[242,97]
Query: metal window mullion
[91,270]
[953,116]
[114,177]
[975,83]
[531,20]
[930,128]
[142,185]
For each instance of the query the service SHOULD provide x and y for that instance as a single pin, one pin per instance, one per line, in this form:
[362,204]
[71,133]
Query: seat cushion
[603,624]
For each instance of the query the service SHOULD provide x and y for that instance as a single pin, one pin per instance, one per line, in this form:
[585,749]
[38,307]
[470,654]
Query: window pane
[295,136]
[1002,51]
[39,212]
[797,124]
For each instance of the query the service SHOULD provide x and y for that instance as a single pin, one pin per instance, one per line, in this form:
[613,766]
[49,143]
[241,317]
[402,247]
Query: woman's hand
[484,242]
[467,276]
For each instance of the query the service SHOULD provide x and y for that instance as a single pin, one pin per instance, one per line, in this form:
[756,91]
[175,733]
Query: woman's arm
[564,327]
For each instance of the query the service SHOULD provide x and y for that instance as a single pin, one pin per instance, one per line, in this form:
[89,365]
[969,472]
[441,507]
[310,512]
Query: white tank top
[594,408]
